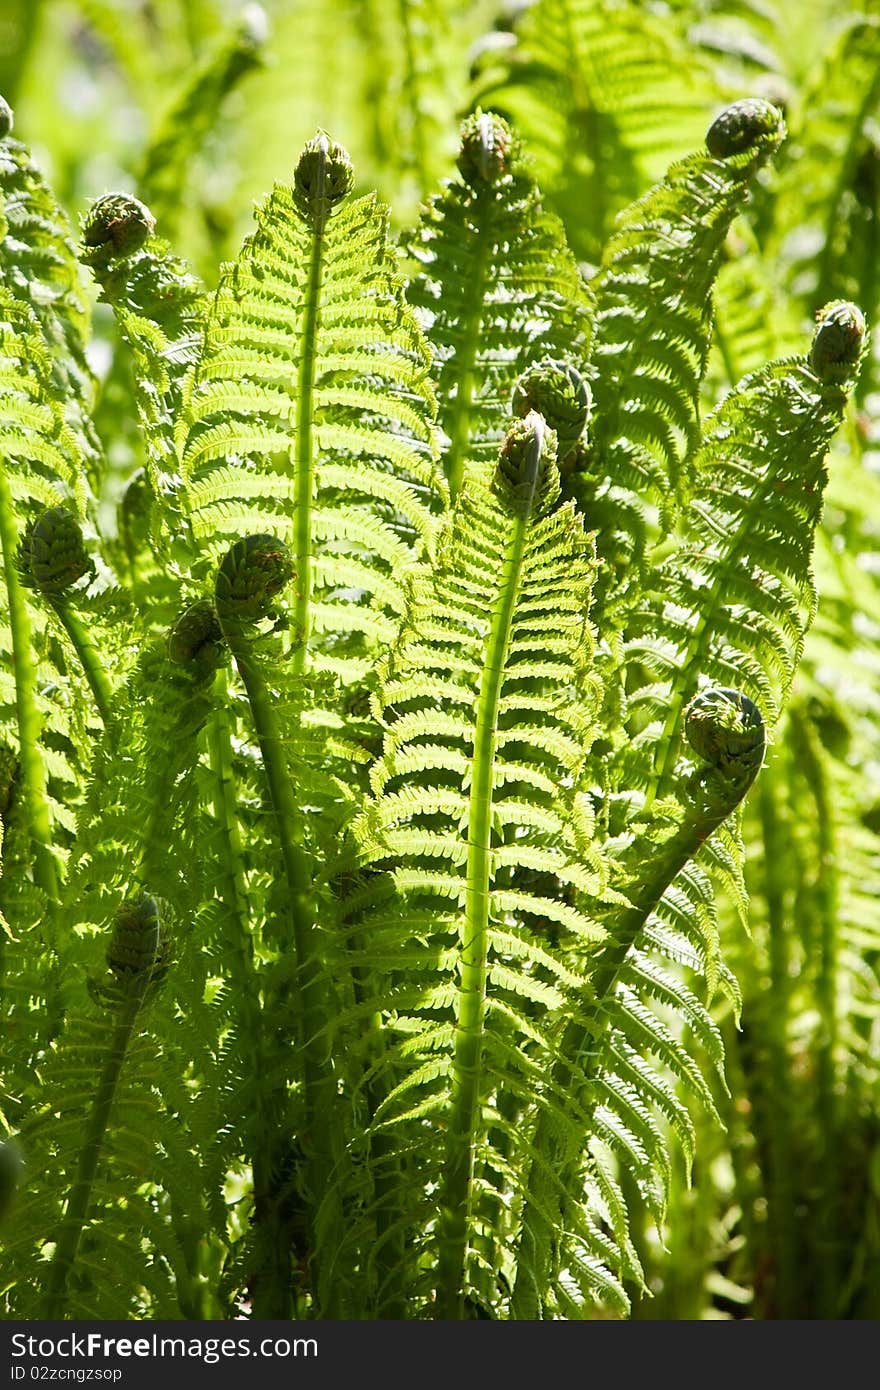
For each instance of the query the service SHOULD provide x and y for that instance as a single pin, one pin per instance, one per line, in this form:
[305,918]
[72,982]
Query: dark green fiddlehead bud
[726,728]
[838,342]
[487,148]
[139,948]
[52,556]
[526,477]
[742,126]
[559,393]
[115,227]
[196,641]
[323,177]
[6,118]
[252,572]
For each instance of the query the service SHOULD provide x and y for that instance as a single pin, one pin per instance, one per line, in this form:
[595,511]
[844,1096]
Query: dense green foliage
[396,611]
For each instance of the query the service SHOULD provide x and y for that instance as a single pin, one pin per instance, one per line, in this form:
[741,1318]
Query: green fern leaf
[496,285]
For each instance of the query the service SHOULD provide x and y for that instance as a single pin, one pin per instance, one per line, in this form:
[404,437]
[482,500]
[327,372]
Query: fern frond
[158,304]
[309,410]
[496,285]
[606,95]
[41,466]
[654,327]
[39,266]
[734,599]
[458,802]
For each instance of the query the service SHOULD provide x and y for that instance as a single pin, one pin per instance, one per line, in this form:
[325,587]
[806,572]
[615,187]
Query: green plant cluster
[390,641]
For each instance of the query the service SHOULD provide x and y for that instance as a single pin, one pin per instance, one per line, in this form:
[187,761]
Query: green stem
[470,338]
[269,1139]
[32,772]
[309,999]
[655,866]
[89,659]
[90,1153]
[304,471]
[455,1191]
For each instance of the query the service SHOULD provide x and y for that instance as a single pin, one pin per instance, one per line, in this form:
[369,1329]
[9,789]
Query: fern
[489,689]
[758,557]
[654,289]
[371,795]
[607,96]
[497,286]
[304,363]
[39,267]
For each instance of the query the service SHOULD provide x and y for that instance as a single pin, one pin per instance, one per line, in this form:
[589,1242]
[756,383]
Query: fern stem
[308,984]
[304,485]
[231,861]
[655,866]
[89,659]
[269,1140]
[471,1005]
[470,338]
[89,1155]
[32,772]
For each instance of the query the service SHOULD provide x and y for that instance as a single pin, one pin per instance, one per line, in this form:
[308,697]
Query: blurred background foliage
[199,105]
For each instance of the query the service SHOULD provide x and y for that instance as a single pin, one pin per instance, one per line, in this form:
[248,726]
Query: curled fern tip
[252,572]
[838,342]
[324,177]
[139,946]
[196,640]
[743,125]
[486,149]
[115,227]
[6,118]
[52,556]
[725,728]
[559,393]
[526,470]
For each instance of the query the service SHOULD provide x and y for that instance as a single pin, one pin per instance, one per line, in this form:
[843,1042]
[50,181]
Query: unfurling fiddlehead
[501,288]
[323,177]
[52,557]
[838,343]
[116,226]
[741,126]
[196,639]
[487,145]
[525,476]
[157,303]
[252,573]
[138,951]
[52,554]
[6,118]
[559,393]
[726,729]
[137,959]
